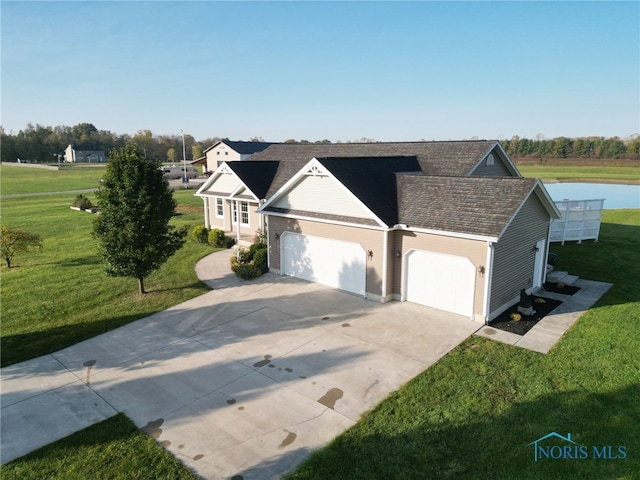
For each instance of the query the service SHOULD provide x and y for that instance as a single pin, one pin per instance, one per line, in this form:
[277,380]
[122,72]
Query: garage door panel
[322,260]
[441,281]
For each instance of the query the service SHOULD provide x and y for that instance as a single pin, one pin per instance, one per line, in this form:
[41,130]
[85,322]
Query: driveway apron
[241,382]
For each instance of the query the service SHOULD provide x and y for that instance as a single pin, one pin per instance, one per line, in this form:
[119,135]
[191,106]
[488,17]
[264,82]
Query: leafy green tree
[197,151]
[136,206]
[16,241]
[633,149]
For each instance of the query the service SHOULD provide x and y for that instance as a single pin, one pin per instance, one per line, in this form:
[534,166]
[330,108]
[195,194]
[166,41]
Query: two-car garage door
[445,282]
[330,262]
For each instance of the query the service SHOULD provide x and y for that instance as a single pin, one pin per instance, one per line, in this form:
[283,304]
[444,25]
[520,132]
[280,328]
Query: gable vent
[315,171]
[490,159]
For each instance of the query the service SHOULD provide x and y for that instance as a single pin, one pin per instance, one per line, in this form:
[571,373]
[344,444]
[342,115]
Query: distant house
[450,225]
[81,154]
[228,151]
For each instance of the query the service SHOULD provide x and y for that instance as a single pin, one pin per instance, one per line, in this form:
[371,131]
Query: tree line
[564,147]
[42,143]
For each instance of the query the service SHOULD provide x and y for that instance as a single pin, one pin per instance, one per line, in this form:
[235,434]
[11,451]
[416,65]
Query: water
[615,196]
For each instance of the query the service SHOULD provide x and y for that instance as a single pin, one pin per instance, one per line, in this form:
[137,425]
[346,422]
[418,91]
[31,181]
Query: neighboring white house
[84,154]
[228,151]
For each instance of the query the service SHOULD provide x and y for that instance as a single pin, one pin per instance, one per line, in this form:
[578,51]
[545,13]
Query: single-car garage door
[330,262]
[441,281]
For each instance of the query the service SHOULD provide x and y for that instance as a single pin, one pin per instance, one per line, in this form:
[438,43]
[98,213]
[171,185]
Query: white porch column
[238,222]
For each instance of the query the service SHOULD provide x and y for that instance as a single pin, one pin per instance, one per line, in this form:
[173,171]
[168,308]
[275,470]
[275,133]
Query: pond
[615,196]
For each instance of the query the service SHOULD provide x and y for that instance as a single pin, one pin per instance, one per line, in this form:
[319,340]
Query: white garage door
[445,282]
[329,262]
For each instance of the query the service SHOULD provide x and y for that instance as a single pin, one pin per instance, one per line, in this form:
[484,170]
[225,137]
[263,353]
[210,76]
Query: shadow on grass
[496,446]
[97,452]
[23,346]
[81,261]
[194,285]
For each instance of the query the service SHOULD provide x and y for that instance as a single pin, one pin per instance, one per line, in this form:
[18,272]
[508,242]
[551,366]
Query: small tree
[16,241]
[136,205]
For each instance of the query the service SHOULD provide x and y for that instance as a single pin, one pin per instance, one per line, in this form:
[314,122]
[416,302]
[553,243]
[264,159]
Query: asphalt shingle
[471,205]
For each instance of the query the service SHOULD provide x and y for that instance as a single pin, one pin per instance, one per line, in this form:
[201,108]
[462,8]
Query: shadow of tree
[491,447]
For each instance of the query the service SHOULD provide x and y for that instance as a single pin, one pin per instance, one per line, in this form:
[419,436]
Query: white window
[244,213]
[219,208]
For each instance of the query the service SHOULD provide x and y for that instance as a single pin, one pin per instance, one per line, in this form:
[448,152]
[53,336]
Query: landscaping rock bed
[520,327]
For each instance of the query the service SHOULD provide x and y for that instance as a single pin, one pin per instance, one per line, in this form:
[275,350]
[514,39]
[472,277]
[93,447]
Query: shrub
[260,260]
[82,202]
[246,270]
[200,234]
[254,247]
[244,255]
[250,262]
[218,239]
[229,242]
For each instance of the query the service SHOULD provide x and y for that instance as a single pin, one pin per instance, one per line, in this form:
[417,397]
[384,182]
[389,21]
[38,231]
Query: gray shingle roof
[435,158]
[257,176]
[244,148]
[471,205]
[372,181]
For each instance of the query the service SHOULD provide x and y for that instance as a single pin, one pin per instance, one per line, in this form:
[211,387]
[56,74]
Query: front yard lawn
[61,296]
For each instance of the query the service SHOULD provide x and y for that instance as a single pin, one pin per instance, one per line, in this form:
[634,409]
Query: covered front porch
[243,239]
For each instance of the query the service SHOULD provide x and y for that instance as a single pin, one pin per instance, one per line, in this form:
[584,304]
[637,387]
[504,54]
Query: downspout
[487,281]
[207,223]
[385,257]
[545,259]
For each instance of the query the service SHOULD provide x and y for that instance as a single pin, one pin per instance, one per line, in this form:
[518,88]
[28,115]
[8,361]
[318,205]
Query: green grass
[60,296]
[15,180]
[111,450]
[593,173]
[473,414]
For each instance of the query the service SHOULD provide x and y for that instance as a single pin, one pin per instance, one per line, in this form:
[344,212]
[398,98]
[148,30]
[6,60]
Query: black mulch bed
[560,288]
[522,326]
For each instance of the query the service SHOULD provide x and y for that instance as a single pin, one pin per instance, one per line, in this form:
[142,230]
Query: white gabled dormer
[315,190]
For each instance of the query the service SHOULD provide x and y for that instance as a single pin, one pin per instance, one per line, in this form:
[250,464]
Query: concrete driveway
[241,382]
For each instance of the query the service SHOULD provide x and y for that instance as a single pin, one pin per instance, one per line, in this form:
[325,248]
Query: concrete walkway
[243,381]
[548,331]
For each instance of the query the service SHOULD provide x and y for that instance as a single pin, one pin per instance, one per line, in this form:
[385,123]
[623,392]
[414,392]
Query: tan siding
[474,250]
[514,254]
[214,222]
[371,240]
[254,218]
[324,195]
[225,183]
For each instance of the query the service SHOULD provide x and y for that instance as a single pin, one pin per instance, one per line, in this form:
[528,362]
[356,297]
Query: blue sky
[314,70]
